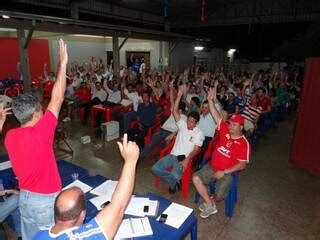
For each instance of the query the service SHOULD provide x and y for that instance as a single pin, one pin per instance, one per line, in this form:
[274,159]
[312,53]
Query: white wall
[79,51]
[181,56]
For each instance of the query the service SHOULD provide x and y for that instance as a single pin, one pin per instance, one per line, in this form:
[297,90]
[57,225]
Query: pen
[144,230]
[131,226]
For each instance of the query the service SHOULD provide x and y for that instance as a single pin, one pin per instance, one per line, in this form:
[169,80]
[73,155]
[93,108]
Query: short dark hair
[72,213]
[195,115]
[24,106]
[196,101]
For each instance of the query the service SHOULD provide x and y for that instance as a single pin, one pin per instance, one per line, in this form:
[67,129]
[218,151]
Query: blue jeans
[171,177]
[127,119]
[37,212]
[9,208]
[156,139]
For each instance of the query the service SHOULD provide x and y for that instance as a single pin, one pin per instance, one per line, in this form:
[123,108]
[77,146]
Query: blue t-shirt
[90,230]
[147,114]
[240,103]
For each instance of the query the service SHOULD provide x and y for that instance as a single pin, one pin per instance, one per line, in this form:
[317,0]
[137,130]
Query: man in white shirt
[169,128]
[187,145]
[125,118]
[207,125]
[98,96]
[114,95]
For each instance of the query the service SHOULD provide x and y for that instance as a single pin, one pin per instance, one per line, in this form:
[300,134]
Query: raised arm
[111,216]
[3,114]
[175,109]
[212,98]
[59,88]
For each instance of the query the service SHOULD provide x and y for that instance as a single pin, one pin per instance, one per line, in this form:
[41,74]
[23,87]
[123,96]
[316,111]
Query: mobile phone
[105,204]
[146,209]
[163,218]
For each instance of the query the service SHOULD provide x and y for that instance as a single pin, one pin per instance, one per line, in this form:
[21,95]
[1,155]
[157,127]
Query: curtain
[305,150]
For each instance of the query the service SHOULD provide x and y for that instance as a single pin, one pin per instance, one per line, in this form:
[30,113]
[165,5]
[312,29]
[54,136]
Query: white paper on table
[177,214]
[98,201]
[5,165]
[77,183]
[134,227]
[105,189]
[136,205]
[153,207]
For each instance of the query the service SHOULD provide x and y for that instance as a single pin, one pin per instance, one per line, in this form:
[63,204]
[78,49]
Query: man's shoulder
[90,230]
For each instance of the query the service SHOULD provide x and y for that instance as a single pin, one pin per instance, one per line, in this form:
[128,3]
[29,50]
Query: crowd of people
[195,110]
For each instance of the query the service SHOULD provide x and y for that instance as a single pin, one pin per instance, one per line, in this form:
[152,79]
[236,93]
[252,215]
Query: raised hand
[63,55]
[3,114]
[129,150]
[212,94]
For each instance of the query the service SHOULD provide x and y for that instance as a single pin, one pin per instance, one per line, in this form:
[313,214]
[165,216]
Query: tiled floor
[276,200]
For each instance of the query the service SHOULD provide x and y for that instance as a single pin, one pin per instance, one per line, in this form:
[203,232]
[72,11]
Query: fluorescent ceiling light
[198,48]
[5,16]
[231,51]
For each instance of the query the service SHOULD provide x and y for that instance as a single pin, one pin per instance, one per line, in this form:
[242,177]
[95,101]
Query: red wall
[305,150]
[38,51]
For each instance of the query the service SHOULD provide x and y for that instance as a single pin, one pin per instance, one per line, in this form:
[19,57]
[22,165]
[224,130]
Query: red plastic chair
[186,176]
[107,112]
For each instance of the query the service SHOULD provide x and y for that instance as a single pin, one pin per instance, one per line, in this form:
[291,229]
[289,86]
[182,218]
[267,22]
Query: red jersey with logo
[31,154]
[229,151]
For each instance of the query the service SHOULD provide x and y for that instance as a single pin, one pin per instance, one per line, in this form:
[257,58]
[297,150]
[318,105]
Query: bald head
[69,204]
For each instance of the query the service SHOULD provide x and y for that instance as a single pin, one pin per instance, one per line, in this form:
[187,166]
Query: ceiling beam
[73,26]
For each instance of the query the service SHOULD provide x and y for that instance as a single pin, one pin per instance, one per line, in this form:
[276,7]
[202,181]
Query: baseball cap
[237,118]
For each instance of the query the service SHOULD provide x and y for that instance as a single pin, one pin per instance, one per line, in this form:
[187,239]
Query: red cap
[237,118]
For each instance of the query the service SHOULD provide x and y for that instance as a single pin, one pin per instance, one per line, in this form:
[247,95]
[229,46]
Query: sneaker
[209,211]
[203,206]
[67,119]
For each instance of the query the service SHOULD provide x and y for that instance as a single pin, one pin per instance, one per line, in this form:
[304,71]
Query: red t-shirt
[229,151]
[31,154]
[264,103]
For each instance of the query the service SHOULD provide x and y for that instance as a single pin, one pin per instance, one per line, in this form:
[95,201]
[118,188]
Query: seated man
[99,95]
[114,94]
[70,206]
[231,155]
[187,145]
[251,114]
[146,115]
[168,129]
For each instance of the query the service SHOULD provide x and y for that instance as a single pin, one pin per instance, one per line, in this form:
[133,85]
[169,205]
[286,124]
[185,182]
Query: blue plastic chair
[232,197]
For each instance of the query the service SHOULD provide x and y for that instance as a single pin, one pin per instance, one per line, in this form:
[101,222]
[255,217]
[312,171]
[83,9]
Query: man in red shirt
[32,156]
[263,101]
[231,155]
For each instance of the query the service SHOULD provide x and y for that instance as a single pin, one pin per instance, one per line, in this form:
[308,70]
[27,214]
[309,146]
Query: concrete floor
[275,201]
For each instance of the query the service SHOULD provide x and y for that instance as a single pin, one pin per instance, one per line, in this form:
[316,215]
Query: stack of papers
[5,165]
[177,214]
[77,183]
[134,227]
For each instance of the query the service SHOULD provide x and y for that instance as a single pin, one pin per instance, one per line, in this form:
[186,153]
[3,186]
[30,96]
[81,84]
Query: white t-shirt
[101,94]
[134,98]
[171,125]
[186,139]
[113,96]
[207,124]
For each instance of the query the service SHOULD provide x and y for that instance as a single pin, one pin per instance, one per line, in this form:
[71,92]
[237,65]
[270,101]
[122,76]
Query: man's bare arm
[111,216]
[59,88]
